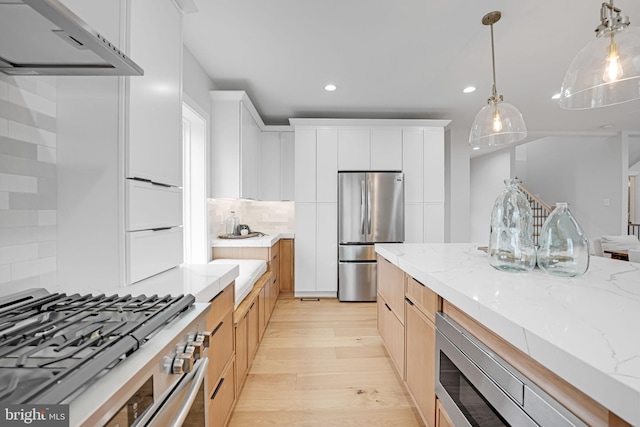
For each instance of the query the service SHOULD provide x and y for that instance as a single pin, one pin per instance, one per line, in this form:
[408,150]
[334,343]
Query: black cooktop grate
[52,345]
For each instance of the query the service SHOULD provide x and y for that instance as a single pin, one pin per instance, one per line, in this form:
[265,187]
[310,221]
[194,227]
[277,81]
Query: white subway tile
[18,218]
[31,101]
[21,270]
[31,134]
[48,217]
[47,249]
[18,253]
[5,274]
[4,91]
[4,127]
[18,183]
[4,200]
[46,154]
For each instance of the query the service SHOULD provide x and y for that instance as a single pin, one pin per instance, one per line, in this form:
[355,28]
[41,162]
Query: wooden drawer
[222,398]
[391,286]
[221,304]
[392,333]
[220,349]
[274,265]
[424,298]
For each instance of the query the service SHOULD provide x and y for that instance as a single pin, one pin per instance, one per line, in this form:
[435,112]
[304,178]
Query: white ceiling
[402,58]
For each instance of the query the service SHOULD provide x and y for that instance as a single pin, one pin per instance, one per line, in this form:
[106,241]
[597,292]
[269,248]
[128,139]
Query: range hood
[44,37]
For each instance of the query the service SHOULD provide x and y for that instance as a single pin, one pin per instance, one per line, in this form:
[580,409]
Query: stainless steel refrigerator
[370,211]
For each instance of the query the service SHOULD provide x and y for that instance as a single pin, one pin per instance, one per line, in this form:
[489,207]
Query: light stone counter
[252,242]
[204,281]
[585,329]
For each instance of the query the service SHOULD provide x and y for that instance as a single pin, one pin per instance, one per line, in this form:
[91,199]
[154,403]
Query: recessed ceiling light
[607,126]
[330,87]
[556,96]
[476,148]
[469,89]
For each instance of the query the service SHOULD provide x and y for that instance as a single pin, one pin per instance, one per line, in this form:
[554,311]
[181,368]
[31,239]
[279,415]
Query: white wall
[584,171]
[457,186]
[196,84]
[487,174]
[28,180]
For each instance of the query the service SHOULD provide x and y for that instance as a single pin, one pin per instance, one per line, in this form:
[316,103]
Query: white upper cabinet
[327,164]
[235,135]
[270,162]
[305,172]
[354,149]
[413,155]
[155,103]
[370,148]
[386,149]
[434,165]
[276,150]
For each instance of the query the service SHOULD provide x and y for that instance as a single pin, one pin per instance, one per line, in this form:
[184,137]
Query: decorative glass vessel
[563,248]
[231,224]
[511,245]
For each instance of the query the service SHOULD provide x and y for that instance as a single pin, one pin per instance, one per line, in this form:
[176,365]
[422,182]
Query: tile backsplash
[267,217]
[28,183]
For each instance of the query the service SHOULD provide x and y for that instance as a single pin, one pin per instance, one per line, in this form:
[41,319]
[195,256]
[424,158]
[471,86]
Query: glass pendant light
[498,123]
[607,70]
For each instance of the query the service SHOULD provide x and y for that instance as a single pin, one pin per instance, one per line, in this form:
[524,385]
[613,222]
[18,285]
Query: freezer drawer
[357,281]
[357,253]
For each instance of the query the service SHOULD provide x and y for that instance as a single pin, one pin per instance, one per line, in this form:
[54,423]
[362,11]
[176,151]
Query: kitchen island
[583,329]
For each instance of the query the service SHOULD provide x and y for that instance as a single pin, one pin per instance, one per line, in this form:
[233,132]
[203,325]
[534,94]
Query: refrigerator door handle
[368,209]
[362,207]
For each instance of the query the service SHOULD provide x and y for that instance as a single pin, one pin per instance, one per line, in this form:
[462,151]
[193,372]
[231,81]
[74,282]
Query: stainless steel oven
[478,388]
[114,360]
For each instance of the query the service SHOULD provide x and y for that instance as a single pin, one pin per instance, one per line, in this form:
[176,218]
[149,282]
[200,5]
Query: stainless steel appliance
[370,211]
[44,37]
[477,388]
[114,360]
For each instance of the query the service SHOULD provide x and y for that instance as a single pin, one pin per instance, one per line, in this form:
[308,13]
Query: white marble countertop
[265,241]
[203,281]
[585,329]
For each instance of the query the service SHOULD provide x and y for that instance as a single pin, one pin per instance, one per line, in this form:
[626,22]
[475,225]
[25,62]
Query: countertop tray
[246,236]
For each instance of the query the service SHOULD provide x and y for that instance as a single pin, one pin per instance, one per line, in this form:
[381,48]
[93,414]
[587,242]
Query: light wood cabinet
[391,286]
[221,353]
[223,398]
[242,350]
[286,265]
[442,418]
[420,360]
[392,332]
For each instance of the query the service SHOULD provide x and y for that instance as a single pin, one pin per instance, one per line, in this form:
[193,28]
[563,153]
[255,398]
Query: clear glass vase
[511,245]
[563,248]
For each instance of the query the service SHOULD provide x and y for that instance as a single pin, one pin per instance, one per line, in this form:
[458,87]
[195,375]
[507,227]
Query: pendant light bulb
[498,123]
[613,68]
[607,70]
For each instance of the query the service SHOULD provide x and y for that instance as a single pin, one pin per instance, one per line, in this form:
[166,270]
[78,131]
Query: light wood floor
[323,364]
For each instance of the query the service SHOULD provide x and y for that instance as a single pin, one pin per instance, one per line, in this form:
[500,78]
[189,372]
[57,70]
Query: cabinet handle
[246,314]
[409,301]
[252,304]
[214,298]
[213,396]
[387,305]
[217,328]
[418,282]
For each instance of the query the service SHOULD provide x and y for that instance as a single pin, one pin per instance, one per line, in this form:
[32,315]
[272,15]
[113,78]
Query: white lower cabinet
[305,249]
[151,252]
[327,248]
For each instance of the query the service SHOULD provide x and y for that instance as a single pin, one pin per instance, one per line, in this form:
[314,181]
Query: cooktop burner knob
[198,348]
[182,363]
[204,337]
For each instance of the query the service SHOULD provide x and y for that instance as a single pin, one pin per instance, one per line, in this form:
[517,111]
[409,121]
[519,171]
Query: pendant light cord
[493,64]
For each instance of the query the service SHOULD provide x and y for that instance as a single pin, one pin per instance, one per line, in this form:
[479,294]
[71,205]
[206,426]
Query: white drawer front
[152,252]
[152,206]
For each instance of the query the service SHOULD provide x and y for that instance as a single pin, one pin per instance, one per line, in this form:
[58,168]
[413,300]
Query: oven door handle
[192,394]
[155,417]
